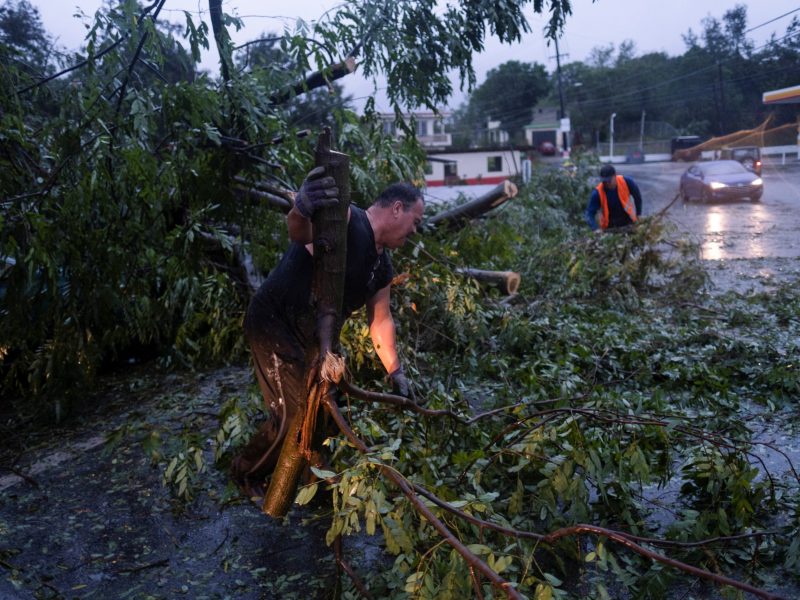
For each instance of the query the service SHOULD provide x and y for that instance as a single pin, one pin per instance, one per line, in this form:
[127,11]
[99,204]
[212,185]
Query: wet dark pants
[279,364]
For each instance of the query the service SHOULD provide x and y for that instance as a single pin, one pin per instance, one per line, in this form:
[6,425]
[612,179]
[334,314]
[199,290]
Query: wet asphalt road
[749,245]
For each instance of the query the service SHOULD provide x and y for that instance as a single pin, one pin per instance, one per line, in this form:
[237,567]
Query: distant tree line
[715,87]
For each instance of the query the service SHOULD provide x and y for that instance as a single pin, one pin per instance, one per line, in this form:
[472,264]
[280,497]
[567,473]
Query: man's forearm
[591,211]
[299,227]
[385,343]
[637,197]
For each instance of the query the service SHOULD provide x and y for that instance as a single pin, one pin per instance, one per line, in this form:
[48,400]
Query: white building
[429,127]
[448,166]
[473,167]
[495,135]
[546,127]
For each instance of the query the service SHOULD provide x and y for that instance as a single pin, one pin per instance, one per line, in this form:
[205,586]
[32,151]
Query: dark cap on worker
[607,173]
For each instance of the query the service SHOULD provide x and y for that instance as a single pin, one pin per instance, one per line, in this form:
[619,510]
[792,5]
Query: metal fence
[629,148]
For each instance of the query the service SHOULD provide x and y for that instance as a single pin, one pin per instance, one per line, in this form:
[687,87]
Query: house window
[438,126]
[422,128]
[388,127]
[494,164]
[428,168]
[450,170]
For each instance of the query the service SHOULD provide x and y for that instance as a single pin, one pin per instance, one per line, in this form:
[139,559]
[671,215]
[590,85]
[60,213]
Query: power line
[704,69]
[771,20]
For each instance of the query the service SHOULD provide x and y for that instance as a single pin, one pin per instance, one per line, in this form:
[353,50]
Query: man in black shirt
[280,322]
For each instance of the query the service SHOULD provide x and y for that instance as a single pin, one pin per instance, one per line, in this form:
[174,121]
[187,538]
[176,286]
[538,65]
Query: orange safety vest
[624,197]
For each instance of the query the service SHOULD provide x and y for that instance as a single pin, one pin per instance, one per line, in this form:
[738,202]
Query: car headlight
[757,181]
[717,185]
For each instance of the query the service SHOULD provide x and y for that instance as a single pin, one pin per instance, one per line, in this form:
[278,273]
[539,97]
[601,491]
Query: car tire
[756,198]
[707,197]
[684,195]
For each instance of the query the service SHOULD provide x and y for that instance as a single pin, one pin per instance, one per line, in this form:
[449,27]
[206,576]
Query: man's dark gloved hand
[401,386]
[316,192]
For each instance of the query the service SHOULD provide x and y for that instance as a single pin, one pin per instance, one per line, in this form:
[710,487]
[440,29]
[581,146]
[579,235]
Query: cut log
[457,216]
[506,281]
[306,432]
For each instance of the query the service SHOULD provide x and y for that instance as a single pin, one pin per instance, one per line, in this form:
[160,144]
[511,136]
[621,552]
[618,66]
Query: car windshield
[723,168]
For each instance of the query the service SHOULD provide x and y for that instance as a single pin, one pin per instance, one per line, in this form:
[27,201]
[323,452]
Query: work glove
[401,386]
[317,191]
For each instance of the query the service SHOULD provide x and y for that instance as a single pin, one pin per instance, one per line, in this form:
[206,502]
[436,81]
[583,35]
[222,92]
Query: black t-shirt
[286,294]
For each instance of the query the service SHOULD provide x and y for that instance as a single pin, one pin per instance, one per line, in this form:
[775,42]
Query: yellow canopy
[789,95]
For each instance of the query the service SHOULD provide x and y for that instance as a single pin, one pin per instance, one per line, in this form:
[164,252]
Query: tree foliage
[715,87]
[121,233]
[560,420]
[508,95]
[567,410]
[596,391]
[23,39]
[417,48]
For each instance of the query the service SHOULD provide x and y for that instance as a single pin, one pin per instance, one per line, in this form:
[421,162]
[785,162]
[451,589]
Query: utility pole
[641,134]
[721,100]
[561,114]
[611,146]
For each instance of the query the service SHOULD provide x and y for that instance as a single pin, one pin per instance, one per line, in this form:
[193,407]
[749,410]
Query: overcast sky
[654,25]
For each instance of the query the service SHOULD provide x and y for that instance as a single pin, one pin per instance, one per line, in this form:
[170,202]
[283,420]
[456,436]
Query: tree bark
[458,216]
[317,79]
[330,248]
[221,37]
[306,431]
[506,281]
[279,202]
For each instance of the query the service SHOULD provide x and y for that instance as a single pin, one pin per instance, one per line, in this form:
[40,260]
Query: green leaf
[543,592]
[305,494]
[553,580]
[322,474]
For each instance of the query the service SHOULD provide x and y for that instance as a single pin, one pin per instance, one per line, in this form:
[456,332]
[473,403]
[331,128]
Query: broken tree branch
[506,281]
[412,492]
[317,80]
[221,37]
[274,201]
[102,52]
[469,557]
[457,216]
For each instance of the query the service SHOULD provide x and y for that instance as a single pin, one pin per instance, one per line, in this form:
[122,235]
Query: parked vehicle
[683,147]
[547,149]
[720,180]
[749,156]
[634,157]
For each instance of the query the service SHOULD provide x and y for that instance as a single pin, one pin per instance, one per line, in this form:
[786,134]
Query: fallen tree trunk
[306,432]
[456,217]
[506,281]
